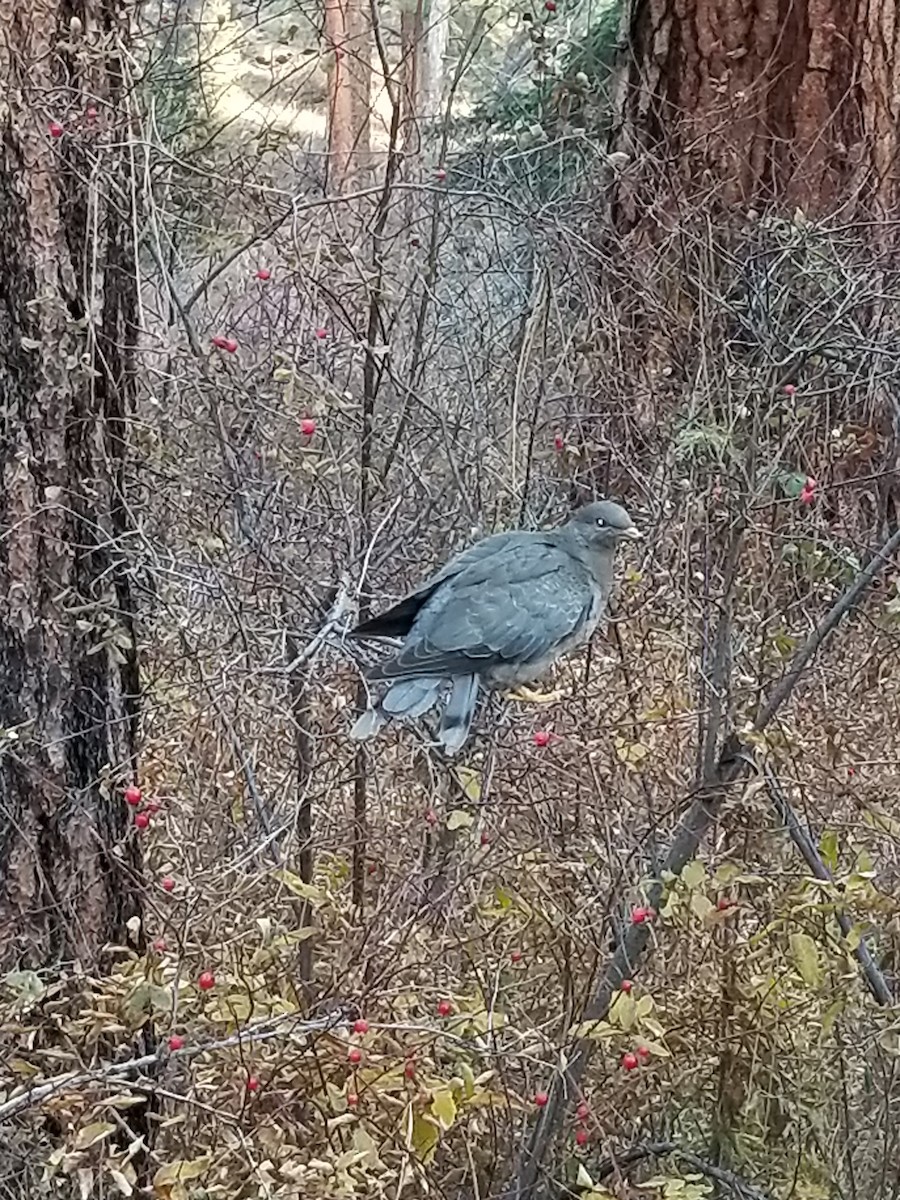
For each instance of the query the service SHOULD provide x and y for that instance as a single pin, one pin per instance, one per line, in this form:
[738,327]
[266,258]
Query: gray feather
[368,725]
[458,713]
[412,697]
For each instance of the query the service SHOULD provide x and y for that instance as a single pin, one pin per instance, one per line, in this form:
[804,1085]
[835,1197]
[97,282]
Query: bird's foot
[525,695]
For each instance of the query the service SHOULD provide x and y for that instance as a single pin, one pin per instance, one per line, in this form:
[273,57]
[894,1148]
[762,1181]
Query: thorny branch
[734,762]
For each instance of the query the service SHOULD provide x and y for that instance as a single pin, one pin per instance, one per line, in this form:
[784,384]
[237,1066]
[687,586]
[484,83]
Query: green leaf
[460,819]
[693,875]
[701,905]
[828,848]
[806,958]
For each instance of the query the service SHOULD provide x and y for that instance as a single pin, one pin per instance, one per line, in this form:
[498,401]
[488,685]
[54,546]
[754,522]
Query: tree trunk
[437,37]
[348,34]
[68,673]
[768,102]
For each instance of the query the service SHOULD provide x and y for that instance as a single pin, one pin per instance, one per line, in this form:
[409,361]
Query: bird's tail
[408,698]
[458,713]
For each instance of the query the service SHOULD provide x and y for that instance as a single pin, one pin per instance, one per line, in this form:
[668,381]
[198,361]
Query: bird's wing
[515,607]
[398,620]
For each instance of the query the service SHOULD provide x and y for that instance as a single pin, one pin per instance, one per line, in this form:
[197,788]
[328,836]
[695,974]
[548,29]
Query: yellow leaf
[443,1106]
[424,1138]
[693,875]
[122,1182]
[622,1011]
[806,958]
[178,1172]
[593,1030]
[460,819]
[701,905]
[644,1006]
[306,891]
[468,1078]
[90,1135]
[470,781]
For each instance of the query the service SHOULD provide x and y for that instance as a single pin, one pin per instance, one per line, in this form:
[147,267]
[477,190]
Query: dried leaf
[460,819]
[90,1135]
[443,1107]
[806,958]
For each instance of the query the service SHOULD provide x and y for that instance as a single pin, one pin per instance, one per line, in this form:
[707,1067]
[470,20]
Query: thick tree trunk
[768,101]
[68,678]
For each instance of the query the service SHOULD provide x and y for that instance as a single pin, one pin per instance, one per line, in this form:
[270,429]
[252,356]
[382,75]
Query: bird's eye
[600,522]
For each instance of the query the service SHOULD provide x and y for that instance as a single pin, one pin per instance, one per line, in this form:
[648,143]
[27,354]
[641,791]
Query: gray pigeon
[498,615]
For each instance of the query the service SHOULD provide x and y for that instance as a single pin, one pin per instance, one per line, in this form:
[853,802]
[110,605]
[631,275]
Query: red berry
[516,956]
[252,1084]
[91,113]
[133,795]
[724,903]
[445,1008]
[851,771]
[167,883]
[224,343]
[643,1053]
[541,738]
[431,817]
[583,1111]
[230,345]
[142,820]
[440,174]
[409,1069]
[629,1062]
[160,946]
[352,1100]
[790,389]
[625,986]
[307,427]
[581,1137]
[361,1026]
[354,1054]
[550,5]
[540,1099]
[639,915]
[485,838]
[263,273]
[372,868]
[321,334]
[176,1041]
[55,129]
[559,443]
[206,981]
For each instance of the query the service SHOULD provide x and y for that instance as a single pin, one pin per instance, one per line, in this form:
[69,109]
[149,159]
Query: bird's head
[603,524]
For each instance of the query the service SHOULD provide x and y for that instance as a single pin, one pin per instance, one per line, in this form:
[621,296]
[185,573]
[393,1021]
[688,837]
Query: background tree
[68,677]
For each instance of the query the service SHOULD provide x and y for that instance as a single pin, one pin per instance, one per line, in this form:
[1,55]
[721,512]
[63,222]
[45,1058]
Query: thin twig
[804,843]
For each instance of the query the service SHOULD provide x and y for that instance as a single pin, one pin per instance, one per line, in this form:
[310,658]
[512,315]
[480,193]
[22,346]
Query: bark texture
[348,33]
[787,102]
[68,675]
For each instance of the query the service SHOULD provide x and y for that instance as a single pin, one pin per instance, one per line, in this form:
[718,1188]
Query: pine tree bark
[68,670]
[348,35]
[767,102]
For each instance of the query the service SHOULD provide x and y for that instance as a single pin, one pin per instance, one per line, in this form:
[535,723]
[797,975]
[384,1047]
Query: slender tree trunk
[767,102]
[68,675]
[437,37]
[348,34]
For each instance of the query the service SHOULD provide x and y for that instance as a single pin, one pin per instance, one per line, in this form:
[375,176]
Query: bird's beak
[633,533]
